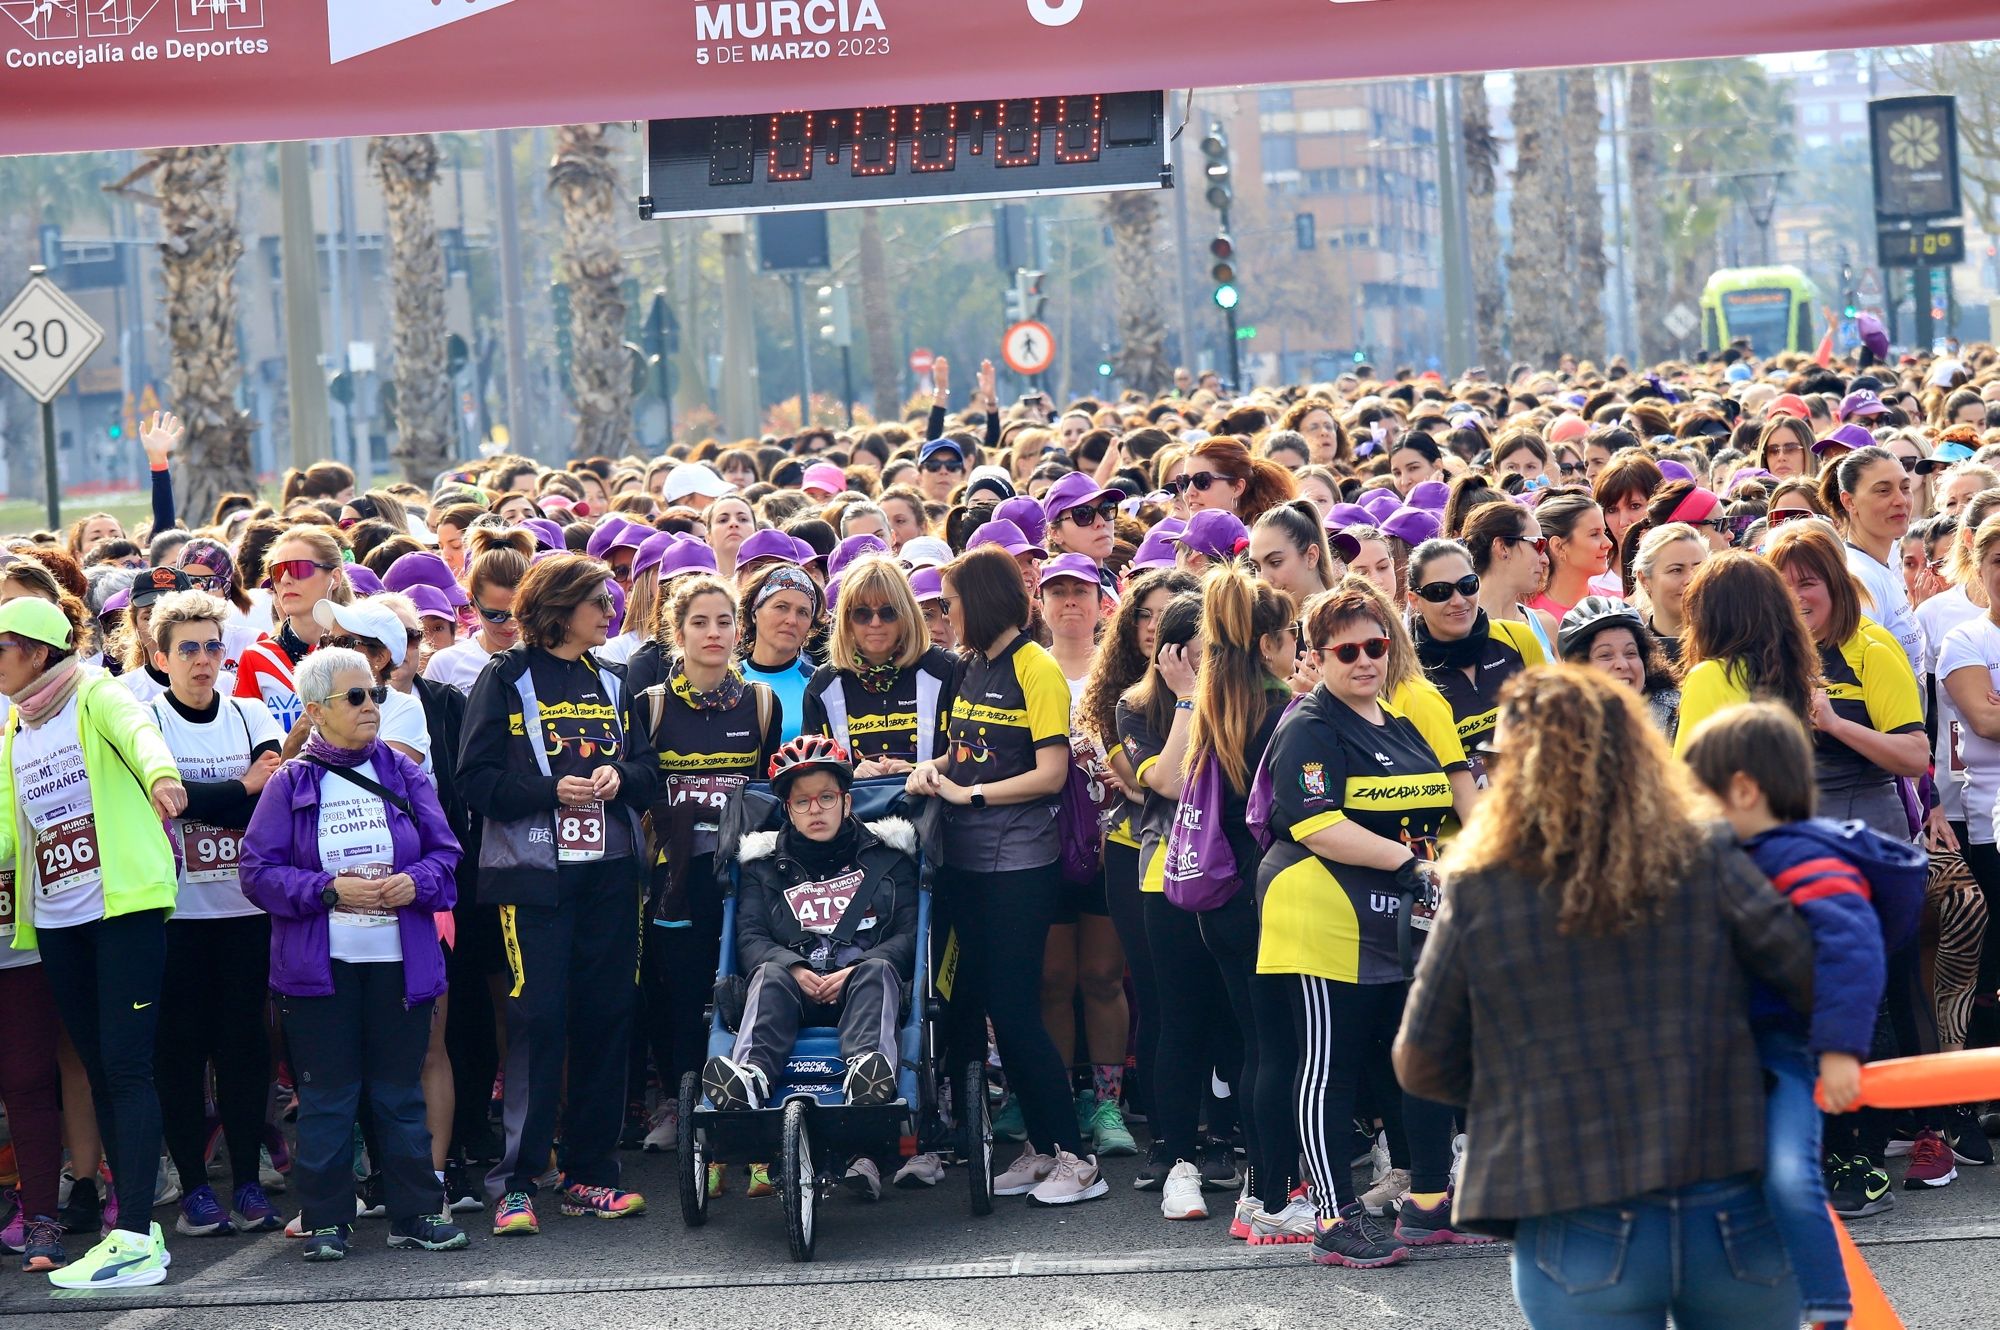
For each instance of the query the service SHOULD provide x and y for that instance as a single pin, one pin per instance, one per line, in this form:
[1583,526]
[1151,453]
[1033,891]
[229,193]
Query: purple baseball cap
[1431,496]
[1027,515]
[425,569]
[1348,514]
[1673,470]
[431,602]
[1380,503]
[1156,550]
[1862,402]
[685,554]
[1078,566]
[847,551]
[1075,490]
[928,583]
[1007,536]
[617,606]
[364,582]
[770,543]
[548,535]
[1346,547]
[1869,329]
[117,601]
[1171,525]
[651,550]
[1412,526]
[1850,435]
[606,534]
[1215,533]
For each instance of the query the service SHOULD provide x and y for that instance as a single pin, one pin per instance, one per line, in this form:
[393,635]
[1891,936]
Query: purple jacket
[282,875]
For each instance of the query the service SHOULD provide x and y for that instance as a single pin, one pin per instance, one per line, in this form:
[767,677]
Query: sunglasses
[1199,481]
[1783,515]
[1909,464]
[622,571]
[1437,593]
[953,465]
[354,697]
[202,581]
[1086,515]
[872,614]
[1570,468]
[296,569]
[494,616]
[944,603]
[190,650]
[1715,524]
[1349,652]
[602,600]
[1540,544]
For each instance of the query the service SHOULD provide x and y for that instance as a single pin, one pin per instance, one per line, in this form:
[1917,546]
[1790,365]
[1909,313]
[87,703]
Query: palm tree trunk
[1482,164]
[1140,358]
[585,184]
[1537,276]
[1582,125]
[426,435]
[1642,157]
[878,317]
[198,262]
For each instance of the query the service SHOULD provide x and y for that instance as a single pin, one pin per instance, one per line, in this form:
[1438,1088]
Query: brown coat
[1598,1068]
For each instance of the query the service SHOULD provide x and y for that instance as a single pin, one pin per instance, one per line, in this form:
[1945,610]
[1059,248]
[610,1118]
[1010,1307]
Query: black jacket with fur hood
[776,889]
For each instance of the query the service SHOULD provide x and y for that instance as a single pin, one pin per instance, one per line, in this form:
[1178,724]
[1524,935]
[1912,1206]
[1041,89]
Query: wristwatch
[328,896]
[979,796]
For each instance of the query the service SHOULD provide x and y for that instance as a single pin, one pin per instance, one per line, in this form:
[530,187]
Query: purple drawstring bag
[1077,829]
[1201,868]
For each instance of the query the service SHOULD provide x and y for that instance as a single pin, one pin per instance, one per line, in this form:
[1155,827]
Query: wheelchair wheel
[693,1161]
[975,1125]
[799,1182]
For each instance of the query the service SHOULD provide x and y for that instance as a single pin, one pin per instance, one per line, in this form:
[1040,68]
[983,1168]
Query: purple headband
[211,554]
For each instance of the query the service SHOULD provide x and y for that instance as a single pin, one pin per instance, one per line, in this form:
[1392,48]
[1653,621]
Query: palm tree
[1482,165]
[1537,276]
[1140,358]
[1581,130]
[198,259]
[407,165]
[1642,158]
[878,318]
[584,181]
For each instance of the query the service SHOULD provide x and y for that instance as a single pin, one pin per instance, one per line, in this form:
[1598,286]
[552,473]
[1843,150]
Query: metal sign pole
[49,466]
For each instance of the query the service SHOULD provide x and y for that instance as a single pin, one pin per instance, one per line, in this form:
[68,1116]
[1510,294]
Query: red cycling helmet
[810,752]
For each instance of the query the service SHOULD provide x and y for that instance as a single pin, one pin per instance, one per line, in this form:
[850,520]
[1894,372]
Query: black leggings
[1001,922]
[679,969]
[1230,932]
[1128,916]
[214,1005]
[1196,1032]
[1344,1035]
[1984,861]
[106,979]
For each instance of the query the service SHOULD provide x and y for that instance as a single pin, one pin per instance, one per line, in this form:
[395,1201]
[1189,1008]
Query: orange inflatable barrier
[1871,1305]
[1938,1078]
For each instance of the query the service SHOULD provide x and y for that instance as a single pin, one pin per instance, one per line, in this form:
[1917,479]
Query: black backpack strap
[353,777]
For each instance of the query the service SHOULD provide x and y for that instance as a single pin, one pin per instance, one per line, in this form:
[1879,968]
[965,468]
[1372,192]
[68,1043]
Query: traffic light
[1850,298]
[1025,300]
[1223,250]
[1215,167]
[836,319]
[1103,369]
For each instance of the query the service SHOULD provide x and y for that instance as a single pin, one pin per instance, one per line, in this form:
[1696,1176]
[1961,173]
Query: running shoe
[715,1170]
[1903,1133]
[427,1233]
[374,1197]
[1154,1168]
[252,1211]
[1008,1123]
[1071,1180]
[871,1079]
[295,1227]
[1181,1197]
[201,1215]
[1240,1215]
[83,1212]
[121,1260]
[1359,1243]
[166,1183]
[664,1128]
[1431,1227]
[1930,1162]
[516,1216]
[730,1086]
[44,1249]
[14,1237]
[270,1176]
[1107,1128]
[1457,1158]
[1855,1188]
[1025,1173]
[920,1170]
[1378,1158]
[633,1134]
[863,1178]
[760,1183]
[1296,1222]
[460,1195]
[326,1244]
[1219,1171]
[580,1201]
[1968,1140]
[1393,1187]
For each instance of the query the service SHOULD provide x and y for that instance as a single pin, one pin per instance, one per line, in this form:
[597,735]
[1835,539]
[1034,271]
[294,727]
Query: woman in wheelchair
[826,930]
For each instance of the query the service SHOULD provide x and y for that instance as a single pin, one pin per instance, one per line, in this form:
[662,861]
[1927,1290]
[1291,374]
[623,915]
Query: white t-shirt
[54,793]
[1937,617]
[141,684]
[459,664]
[1975,643]
[354,841]
[208,751]
[1889,604]
[620,648]
[403,722]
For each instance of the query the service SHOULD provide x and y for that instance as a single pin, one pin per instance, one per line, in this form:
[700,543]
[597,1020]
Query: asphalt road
[920,1260]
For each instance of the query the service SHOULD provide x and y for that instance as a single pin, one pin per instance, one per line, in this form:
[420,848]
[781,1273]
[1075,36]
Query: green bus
[1776,308]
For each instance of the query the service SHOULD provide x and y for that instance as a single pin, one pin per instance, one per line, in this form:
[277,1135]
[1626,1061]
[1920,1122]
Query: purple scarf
[319,750]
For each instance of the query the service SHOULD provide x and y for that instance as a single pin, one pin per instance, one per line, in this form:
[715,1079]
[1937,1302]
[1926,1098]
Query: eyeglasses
[814,803]
[951,464]
[622,571]
[190,650]
[1780,516]
[944,603]
[1437,593]
[1349,652]
[493,616]
[1909,464]
[354,697]
[202,581]
[1086,515]
[872,614]
[1540,544]
[1715,524]
[296,569]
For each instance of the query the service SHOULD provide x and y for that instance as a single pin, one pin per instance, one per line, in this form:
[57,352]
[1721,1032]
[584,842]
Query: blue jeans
[1709,1252]
[1794,1186]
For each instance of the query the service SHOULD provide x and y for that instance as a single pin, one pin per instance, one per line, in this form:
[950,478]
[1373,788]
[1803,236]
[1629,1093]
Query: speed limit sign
[45,338]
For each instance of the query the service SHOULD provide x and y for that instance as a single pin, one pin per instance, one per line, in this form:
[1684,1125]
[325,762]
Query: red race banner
[79,75]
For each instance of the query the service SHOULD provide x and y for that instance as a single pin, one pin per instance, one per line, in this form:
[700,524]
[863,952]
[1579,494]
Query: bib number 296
[66,854]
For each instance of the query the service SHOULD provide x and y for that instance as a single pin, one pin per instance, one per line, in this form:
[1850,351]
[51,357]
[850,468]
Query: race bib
[210,852]
[66,856]
[365,918]
[6,905]
[1957,756]
[580,834]
[709,793]
[820,906]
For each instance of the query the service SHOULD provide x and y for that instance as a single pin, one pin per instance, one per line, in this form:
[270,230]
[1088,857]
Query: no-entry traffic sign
[1029,348]
[921,361]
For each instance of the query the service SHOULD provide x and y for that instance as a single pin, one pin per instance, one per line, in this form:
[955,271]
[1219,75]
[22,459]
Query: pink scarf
[49,694]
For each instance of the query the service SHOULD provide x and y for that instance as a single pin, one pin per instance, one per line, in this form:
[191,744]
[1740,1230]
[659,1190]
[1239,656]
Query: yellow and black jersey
[1868,681]
[1329,765]
[1509,648]
[1007,710]
[905,721]
[706,756]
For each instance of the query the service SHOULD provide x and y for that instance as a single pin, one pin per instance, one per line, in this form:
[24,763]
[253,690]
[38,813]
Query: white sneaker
[1393,1187]
[1181,1197]
[1025,1173]
[1378,1158]
[920,1170]
[1457,1158]
[665,1133]
[166,1184]
[1297,1222]
[864,1179]
[1072,1180]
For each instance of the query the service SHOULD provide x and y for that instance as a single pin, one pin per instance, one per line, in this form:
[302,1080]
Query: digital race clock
[794,160]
